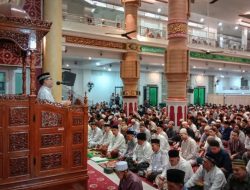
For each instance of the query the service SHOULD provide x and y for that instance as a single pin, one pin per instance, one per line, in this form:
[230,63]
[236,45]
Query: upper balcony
[197,38]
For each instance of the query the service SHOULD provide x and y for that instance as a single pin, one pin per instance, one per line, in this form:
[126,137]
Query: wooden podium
[42,145]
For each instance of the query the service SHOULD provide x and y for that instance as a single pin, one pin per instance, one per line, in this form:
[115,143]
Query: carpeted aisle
[99,181]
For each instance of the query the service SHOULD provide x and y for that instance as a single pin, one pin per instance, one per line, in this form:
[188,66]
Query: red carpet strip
[99,181]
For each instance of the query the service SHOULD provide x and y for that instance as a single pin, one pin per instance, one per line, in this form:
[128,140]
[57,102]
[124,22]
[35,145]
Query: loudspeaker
[68,78]
[190,90]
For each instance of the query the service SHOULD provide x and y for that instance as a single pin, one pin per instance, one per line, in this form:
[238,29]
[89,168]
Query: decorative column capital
[177,28]
[131,2]
[133,47]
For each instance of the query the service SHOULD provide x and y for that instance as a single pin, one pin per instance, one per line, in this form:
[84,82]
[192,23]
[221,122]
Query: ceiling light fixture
[97,63]
[220,24]
[243,71]
[194,67]
[162,64]
[67,65]
[236,28]
[92,10]
[202,20]
[220,69]
[90,58]
[109,69]
[158,10]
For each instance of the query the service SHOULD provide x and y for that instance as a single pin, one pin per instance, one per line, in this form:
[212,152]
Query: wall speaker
[68,78]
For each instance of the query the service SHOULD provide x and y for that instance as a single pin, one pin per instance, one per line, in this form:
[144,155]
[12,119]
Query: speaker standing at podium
[44,92]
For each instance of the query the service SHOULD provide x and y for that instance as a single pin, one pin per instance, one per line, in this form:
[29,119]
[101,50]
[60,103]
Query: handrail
[159,33]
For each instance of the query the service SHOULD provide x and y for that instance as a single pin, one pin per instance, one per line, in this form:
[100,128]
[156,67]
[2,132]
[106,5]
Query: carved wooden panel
[1,142]
[1,168]
[18,141]
[18,116]
[48,140]
[77,158]
[18,166]
[77,138]
[77,121]
[51,161]
[1,117]
[50,119]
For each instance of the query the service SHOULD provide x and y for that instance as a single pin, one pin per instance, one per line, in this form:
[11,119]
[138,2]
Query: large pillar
[177,60]
[53,45]
[130,66]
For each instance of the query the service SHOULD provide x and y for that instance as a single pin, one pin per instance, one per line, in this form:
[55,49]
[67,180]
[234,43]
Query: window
[2,83]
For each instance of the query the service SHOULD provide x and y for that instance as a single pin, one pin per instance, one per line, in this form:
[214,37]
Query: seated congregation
[211,148]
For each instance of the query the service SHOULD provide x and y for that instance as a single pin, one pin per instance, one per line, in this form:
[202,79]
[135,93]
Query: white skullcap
[121,166]
[218,121]
[132,120]
[213,122]
[103,116]
[183,130]
[119,119]
[207,128]
[110,117]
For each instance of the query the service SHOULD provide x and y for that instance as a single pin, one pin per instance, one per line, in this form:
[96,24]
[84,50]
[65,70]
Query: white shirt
[106,138]
[247,142]
[164,145]
[118,142]
[142,153]
[95,137]
[189,149]
[242,136]
[182,165]
[158,162]
[248,167]
[213,180]
[44,93]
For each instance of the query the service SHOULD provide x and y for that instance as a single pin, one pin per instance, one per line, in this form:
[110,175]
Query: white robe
[106,138]
[118,143]
[213,180]
[142,153]
[44,93]
[95,137]
[182,165]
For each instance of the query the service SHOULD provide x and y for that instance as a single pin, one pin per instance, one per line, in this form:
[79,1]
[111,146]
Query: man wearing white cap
[128,180]
[189,148]
[135,125]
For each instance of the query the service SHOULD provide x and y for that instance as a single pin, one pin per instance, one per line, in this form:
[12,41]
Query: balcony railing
[155,33]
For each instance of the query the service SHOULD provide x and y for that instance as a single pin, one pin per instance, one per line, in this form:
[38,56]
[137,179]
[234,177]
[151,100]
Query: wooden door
[50,145]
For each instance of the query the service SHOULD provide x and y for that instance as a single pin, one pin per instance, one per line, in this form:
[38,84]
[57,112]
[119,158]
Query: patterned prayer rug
[99,181]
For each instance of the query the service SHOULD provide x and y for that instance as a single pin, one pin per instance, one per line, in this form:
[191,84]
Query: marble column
[53,45]
[130,66]
[177,60]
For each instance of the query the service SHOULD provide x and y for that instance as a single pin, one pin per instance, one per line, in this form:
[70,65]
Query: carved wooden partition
[42,146]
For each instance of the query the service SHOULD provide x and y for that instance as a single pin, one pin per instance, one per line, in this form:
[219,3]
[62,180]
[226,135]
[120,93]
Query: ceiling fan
[211,2]
[123,34]
[152,1]
[245,16]
[211,52]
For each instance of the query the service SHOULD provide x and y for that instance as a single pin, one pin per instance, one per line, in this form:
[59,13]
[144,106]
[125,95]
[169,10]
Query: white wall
[105,83]
[230,85]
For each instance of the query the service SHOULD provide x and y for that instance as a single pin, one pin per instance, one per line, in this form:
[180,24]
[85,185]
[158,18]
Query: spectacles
[49,78]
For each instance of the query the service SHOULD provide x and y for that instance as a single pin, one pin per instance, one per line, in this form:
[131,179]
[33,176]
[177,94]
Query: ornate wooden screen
[41,145]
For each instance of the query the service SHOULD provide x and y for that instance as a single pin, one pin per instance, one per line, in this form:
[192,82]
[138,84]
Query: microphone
[64,83]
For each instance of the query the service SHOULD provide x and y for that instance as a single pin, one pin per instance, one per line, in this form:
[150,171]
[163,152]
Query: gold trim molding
[94,42]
